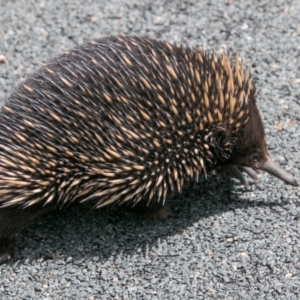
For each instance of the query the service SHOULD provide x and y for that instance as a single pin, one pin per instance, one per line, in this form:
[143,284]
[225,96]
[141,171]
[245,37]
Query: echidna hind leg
[11,221]
[154,212]
[160,213]
[6,249]
[9,225]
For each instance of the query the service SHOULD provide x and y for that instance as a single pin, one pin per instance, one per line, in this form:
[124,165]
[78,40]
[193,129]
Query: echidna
[125,121]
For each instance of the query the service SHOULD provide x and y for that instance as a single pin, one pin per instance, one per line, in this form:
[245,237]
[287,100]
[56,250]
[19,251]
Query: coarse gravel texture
[224,242]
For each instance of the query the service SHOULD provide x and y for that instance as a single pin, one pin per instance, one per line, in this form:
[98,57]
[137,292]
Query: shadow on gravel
[79,233]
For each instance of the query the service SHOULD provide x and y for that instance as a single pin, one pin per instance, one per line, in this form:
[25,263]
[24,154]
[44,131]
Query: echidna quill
[125,121]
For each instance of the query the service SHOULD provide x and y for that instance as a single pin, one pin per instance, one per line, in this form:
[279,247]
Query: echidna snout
[125,121]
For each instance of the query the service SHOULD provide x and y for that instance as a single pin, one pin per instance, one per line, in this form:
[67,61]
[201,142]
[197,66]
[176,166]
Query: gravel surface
[224,242]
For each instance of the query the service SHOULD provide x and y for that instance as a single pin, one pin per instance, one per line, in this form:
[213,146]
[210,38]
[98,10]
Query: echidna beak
[274,169]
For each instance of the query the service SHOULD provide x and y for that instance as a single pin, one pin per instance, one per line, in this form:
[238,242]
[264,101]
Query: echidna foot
[6,249]
[233,171]
[154,213]
[160,213]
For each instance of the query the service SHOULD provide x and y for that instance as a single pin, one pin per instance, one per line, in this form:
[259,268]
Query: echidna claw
[233,171]
[251,172]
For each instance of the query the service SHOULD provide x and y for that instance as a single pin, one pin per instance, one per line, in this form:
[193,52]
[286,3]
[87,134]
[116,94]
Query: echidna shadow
[85,233]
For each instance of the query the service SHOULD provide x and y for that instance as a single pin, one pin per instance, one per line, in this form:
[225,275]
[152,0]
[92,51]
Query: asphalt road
[224,242]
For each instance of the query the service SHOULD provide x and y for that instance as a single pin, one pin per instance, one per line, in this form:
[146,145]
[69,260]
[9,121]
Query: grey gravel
[224,242]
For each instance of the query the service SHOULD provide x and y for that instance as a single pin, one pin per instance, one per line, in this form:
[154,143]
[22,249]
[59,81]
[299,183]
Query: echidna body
[125,121]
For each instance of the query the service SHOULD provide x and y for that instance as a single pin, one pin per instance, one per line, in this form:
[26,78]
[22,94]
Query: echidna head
[250,147]
[250,150]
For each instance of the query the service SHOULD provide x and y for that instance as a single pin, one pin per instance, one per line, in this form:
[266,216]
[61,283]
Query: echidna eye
[254,156]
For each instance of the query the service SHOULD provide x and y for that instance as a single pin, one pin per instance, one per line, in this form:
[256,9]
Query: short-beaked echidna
[125,121]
